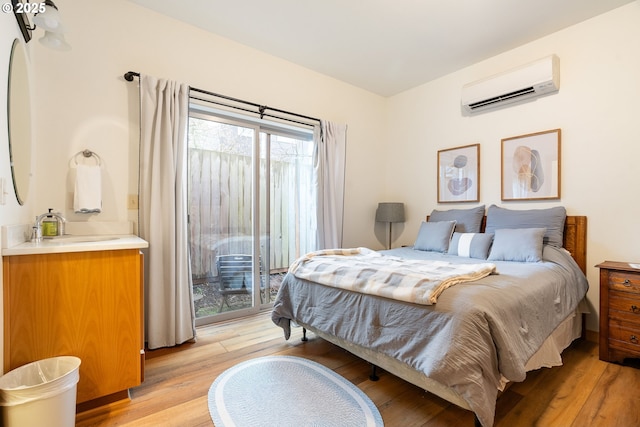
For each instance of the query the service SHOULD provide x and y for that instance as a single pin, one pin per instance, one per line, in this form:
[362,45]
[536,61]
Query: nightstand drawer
[624,306]
[624,335]
[624,281]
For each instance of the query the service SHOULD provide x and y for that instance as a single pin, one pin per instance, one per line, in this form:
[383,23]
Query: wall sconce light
[390,212]
[45,16]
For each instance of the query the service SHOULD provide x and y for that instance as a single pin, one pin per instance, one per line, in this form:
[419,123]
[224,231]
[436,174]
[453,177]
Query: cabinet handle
[634,308]
[626,283]
[633,339]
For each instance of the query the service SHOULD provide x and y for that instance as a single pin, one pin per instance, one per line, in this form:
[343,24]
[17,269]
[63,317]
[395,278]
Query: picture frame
[531,166]
[459,174]
[23,20]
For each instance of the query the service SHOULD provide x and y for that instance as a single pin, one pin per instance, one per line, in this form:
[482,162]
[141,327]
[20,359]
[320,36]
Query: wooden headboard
[574,238]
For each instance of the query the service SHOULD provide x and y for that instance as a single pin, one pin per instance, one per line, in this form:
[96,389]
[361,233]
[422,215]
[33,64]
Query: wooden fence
[220,209]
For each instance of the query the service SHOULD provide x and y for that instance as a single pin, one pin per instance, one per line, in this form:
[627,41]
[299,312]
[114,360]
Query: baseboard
[104,401]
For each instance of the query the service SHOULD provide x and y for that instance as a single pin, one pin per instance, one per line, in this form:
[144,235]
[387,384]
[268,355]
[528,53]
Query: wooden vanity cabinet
[84,304]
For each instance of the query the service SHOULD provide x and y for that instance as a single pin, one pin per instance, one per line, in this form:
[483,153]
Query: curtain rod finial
[129,75]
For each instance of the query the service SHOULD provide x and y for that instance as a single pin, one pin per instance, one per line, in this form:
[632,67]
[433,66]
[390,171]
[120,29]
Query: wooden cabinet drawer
[624,306]
[624,281]
[625,336]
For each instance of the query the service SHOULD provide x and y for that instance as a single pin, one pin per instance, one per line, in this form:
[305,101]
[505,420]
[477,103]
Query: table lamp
[390,212]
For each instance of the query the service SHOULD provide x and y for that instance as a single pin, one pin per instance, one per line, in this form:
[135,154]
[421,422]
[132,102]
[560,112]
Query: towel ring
[87,154]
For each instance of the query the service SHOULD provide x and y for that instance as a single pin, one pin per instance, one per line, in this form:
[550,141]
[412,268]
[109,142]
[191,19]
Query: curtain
[169,312]
[329,160]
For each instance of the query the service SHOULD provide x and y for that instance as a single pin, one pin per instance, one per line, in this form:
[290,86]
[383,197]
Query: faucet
[38,226]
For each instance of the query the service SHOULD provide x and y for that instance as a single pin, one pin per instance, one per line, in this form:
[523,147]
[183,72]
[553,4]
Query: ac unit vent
[525,82]
[501,98]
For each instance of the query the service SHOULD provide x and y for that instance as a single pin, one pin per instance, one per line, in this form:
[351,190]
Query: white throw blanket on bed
[366,271]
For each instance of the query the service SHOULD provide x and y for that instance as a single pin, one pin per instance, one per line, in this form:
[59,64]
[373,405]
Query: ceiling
[383,46]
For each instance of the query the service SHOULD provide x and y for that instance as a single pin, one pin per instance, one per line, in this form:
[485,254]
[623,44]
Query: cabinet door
[85,304]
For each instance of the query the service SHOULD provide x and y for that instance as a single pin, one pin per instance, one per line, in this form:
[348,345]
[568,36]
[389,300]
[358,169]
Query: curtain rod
[129,75]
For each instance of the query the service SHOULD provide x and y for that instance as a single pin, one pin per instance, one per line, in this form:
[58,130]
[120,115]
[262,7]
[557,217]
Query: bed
[477,335]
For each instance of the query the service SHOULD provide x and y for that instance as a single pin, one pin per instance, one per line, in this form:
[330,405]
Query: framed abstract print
[459,174]
[531,166]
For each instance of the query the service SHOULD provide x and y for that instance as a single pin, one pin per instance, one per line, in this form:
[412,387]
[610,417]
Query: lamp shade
[390,212]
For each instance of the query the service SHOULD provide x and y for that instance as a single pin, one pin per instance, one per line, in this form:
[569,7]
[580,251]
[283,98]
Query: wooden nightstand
[619,311]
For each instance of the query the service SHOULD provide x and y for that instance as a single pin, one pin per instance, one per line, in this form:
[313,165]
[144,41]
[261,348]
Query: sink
[78,239]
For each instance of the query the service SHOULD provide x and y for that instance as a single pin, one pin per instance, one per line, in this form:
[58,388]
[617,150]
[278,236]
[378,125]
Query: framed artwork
[459,174]
[531,166]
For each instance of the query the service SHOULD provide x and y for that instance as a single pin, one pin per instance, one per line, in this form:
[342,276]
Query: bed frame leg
[476,421]
[374,376]
[304,335]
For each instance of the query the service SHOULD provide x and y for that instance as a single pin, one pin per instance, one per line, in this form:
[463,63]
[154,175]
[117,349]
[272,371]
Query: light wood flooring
[583,392]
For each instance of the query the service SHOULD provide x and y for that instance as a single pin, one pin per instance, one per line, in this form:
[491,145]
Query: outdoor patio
[207,298]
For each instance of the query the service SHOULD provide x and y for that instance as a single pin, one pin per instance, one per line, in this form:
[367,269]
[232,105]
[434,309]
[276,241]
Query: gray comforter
[475,333]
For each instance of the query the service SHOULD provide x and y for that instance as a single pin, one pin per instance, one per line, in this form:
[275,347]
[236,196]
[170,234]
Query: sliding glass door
[251,212]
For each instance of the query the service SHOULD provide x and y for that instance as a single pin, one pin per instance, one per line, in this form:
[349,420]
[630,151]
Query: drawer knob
[634,308]
[626,283]
[633,339]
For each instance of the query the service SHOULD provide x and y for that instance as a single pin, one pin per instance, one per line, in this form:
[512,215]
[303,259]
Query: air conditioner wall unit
[528,81]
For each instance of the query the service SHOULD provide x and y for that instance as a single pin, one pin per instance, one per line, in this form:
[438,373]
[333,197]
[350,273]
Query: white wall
[596,108]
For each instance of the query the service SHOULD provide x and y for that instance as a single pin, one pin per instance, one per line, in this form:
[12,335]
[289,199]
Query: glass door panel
[221,217]
[287,205]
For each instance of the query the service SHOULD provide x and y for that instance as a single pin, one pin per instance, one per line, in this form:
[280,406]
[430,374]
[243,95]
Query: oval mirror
[19,120]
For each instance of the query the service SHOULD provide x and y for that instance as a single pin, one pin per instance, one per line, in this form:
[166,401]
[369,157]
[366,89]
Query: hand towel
[88,192]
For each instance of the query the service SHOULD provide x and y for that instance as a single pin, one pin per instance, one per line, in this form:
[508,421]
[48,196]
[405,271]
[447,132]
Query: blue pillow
[552,219]
[467,220]
[434,236]
[517,244]
[471,245]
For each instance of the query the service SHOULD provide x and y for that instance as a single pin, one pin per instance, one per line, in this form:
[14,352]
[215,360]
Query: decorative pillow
[470,245]
[552,219]
[517,244]
[467,220]
[434,236]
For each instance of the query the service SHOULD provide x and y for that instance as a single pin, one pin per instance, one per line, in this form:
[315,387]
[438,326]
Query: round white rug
[288,391]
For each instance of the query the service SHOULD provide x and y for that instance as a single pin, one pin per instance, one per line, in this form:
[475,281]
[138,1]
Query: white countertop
[78,243]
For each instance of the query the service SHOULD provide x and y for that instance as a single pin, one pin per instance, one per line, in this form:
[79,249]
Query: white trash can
[41,393]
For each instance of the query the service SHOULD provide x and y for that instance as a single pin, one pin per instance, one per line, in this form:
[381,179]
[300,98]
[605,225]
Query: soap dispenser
[50,225]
